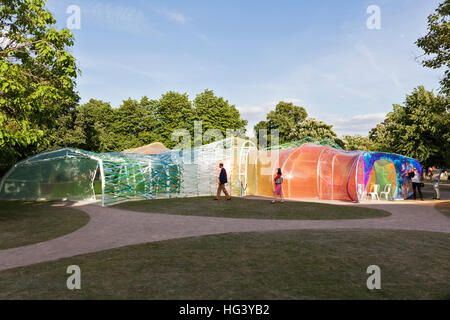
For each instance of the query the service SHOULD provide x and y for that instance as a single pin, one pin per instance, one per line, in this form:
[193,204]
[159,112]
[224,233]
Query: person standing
[417,184]
[278,180]
[222,181]
[435,179]
[444,174]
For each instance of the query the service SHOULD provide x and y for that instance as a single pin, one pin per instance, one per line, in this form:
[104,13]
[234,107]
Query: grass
[26,222]
[444,208]
[313,264]
[249,208]
[98,187]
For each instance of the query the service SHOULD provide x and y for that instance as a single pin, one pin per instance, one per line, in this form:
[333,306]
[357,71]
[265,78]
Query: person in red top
[278,180]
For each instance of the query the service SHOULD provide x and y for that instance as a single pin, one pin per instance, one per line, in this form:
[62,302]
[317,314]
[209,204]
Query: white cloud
[357,124]
[120,18]
[155,75]
[368,54]
[251,110]
[174,16]
[264,108]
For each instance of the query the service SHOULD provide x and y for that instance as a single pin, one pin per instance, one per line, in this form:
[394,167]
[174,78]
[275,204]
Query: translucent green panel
[294,144]
[56,178]
[69,173]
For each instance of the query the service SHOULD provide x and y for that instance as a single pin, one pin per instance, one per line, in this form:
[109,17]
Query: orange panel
[325,173]
[300,172]
[343,163]
[352,188]
[283,155]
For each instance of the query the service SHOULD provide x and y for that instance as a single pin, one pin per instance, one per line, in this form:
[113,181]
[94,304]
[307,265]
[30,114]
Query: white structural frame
[318,172]
[86,155]
[252,146]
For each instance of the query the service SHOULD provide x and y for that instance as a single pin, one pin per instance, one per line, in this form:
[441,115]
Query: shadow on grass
[310,264]
[444,208]
[27,222]
[252,208]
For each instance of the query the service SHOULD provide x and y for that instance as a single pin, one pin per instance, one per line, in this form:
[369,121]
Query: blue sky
[317,54]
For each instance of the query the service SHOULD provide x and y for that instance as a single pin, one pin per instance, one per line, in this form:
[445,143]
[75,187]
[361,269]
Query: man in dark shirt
[222,181]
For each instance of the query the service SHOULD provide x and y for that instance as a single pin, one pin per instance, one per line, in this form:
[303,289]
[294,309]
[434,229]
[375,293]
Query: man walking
[222,181]
[435,179]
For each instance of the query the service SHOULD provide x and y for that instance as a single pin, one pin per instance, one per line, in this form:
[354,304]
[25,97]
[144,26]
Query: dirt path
[112,228]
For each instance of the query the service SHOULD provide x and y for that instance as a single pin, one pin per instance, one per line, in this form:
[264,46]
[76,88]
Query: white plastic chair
[374,193]
[387,190]
[362,194]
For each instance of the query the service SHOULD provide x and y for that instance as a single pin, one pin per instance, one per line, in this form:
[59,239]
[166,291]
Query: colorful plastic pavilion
[311,170]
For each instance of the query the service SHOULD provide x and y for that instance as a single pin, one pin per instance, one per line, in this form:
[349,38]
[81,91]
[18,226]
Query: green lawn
[319,264]
[26,222]
[249,208]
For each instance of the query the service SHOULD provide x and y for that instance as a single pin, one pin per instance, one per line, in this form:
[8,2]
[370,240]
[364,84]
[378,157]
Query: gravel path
[112,228]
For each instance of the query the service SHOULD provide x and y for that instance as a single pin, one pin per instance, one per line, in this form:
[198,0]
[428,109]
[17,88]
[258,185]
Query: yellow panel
[264,174]
[251,173]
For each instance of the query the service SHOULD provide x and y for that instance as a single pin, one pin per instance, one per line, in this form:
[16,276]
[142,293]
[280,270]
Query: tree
[437,43]
[358,142]
[217,113]
[88,127]
[285,117]
[313,128]
[37,77]
[173,111]
[419,129]
[95,126]
[131,121]
[148,133]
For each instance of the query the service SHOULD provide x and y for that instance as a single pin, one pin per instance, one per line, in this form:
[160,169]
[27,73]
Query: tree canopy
[436,44]
[96,126]
[358,142]
[417,129]
[315,129]
[37,77]
[293,124]
[285,117]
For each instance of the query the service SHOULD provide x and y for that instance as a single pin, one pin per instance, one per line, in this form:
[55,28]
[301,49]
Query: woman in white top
[417,184]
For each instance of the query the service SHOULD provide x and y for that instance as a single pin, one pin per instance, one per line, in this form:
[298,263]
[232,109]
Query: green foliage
[312,128]
[419,129]
[216,113]
[37,77]
[437,43]
[87,127]
[285,117]
[173,111]
[293,124]
[358,142]
[298,143]
[95,126]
